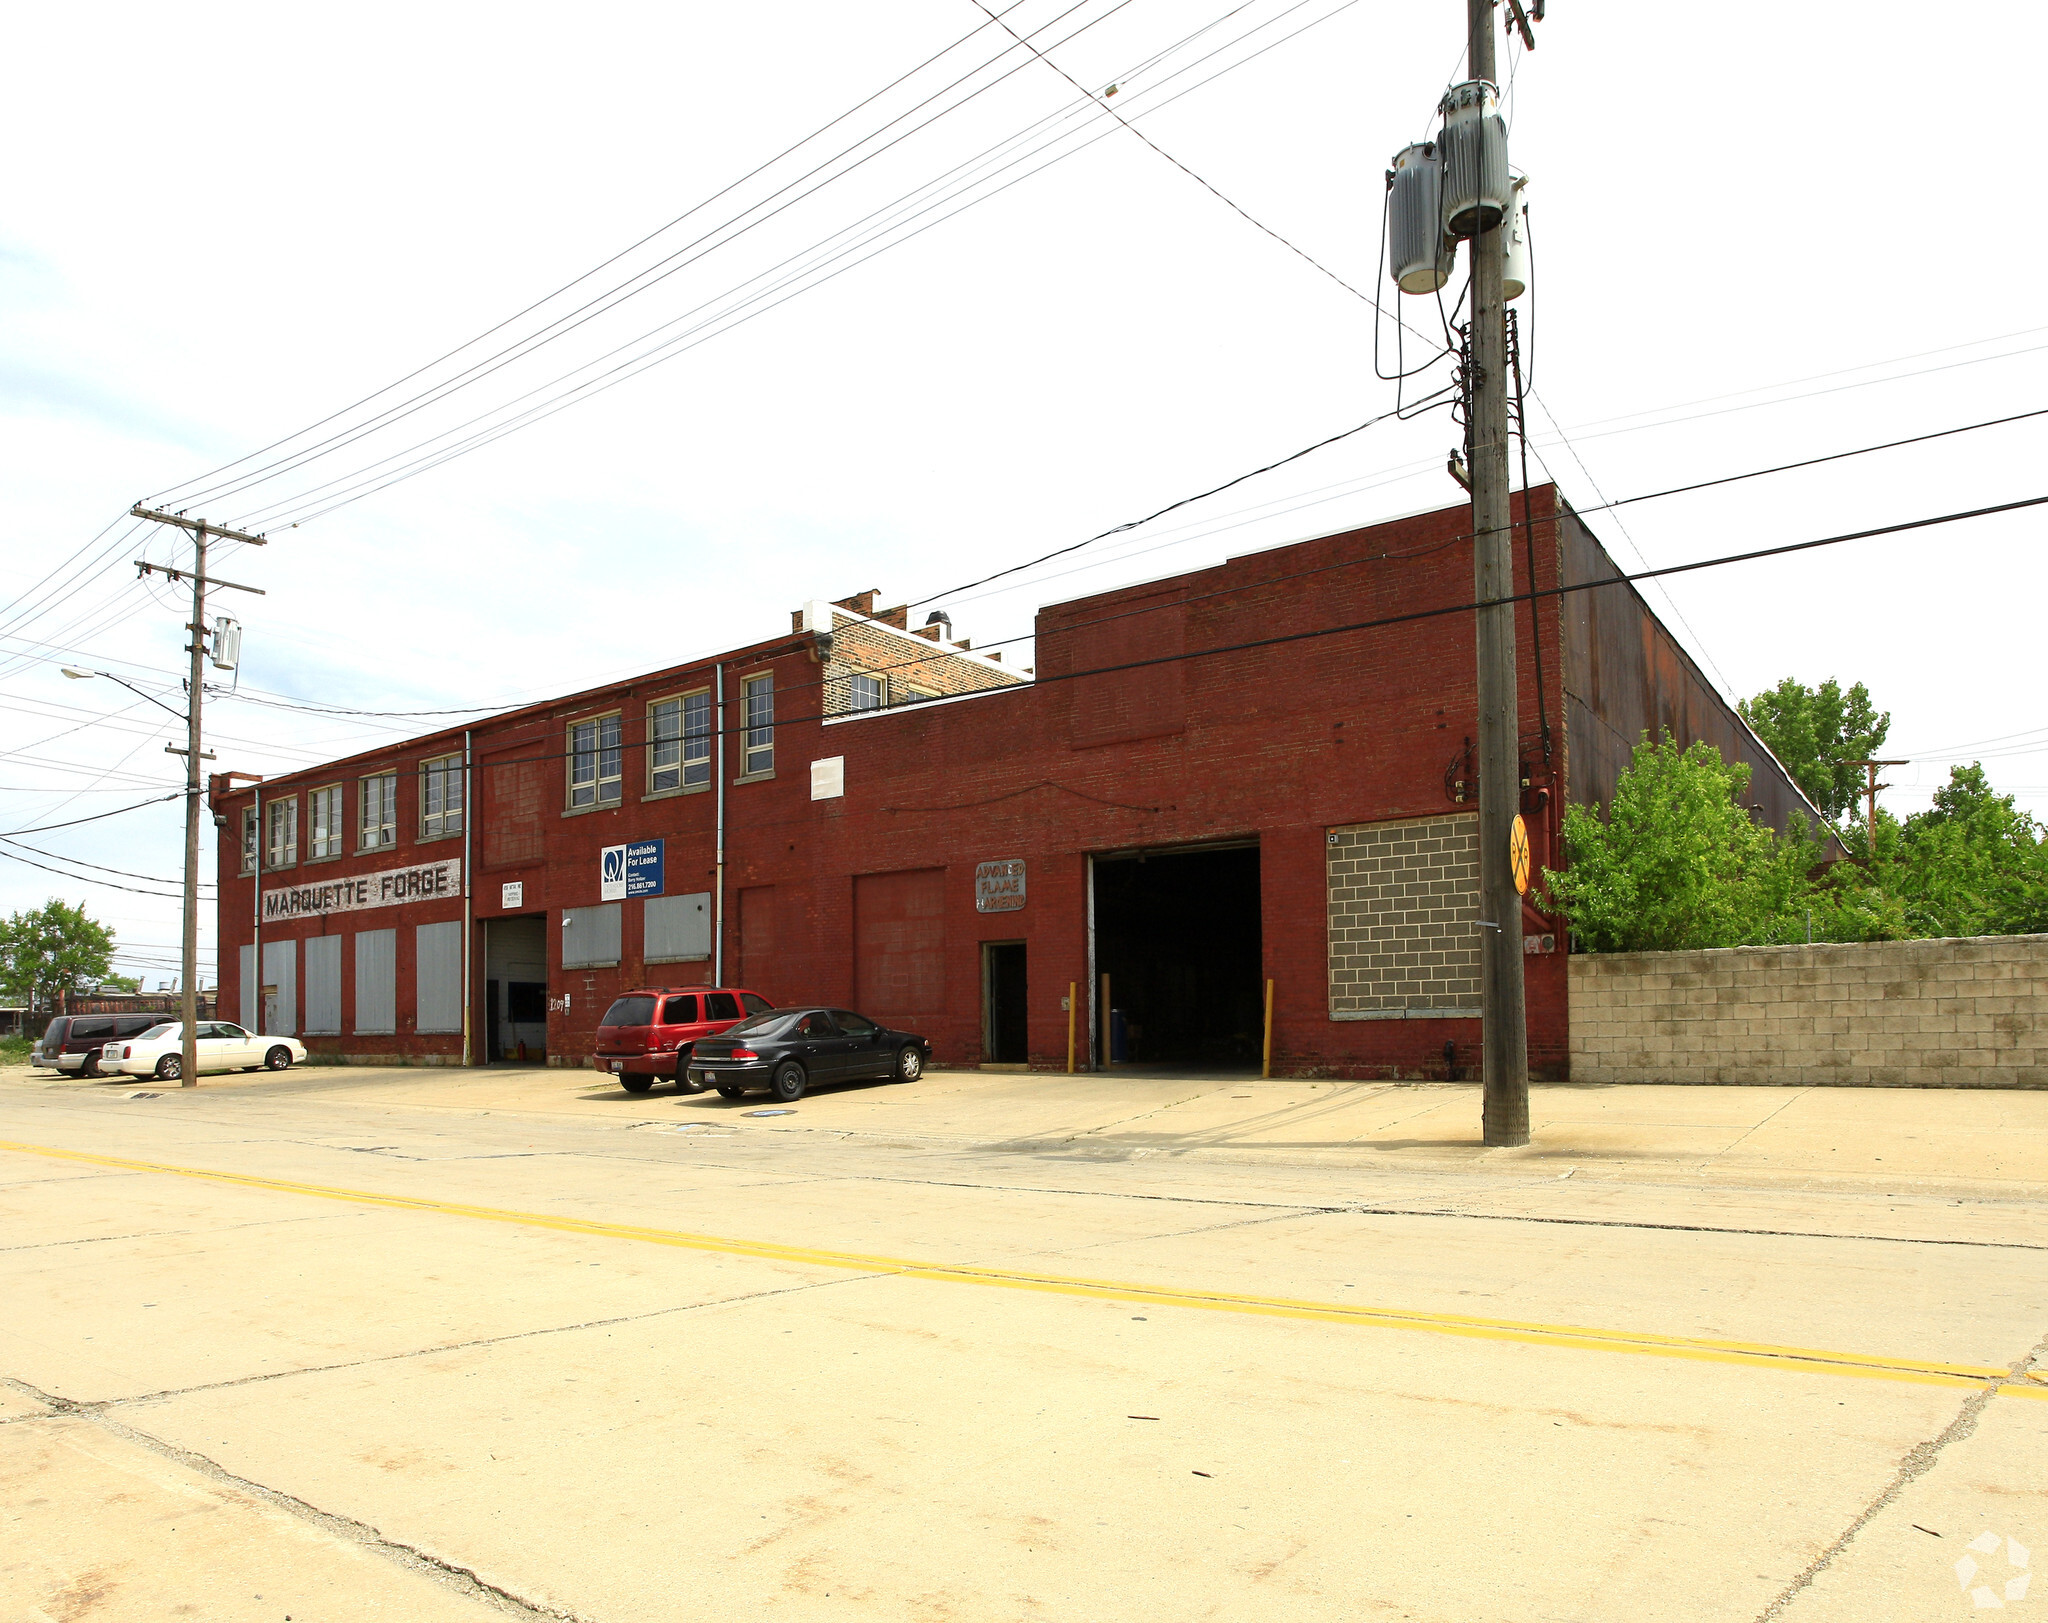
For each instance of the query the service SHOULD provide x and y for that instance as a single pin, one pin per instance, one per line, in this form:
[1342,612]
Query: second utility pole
[1505,1036]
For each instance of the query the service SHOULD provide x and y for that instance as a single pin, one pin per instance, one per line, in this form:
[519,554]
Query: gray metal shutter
[246,1011]
[376,983]
[281,969]
[437,956]
[677,927]
[323,986]
[590,935]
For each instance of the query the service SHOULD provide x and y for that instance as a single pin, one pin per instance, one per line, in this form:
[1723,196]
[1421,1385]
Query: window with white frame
[865,692]
[379,822]
[323,822]
[281,833]
[594,755]
[757,753]
[679,742]
[440,797]
[251,838]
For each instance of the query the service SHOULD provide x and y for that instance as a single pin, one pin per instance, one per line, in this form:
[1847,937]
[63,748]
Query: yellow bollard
[1072,988]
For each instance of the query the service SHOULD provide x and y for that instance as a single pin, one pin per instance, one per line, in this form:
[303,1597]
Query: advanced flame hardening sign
[386,889]
[629,870]
[999,886]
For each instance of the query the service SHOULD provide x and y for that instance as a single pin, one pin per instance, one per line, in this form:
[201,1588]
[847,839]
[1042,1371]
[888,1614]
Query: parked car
[72,1042]
[223,1046]
[649,1034]
[791,1050]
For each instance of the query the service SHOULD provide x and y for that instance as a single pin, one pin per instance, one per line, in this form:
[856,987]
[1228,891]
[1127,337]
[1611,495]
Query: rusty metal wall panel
[1626,675]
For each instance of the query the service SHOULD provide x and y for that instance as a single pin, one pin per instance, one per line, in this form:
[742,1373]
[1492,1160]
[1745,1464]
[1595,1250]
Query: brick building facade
[1199,788]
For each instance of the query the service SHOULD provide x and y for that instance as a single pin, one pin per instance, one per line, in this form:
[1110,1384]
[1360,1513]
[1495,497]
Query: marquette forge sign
[387,889]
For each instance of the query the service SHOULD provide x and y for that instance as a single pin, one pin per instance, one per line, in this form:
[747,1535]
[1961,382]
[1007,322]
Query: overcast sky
[1762,233]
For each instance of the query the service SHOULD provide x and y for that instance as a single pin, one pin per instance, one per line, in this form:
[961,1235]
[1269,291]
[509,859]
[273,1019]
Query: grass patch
[15,1050]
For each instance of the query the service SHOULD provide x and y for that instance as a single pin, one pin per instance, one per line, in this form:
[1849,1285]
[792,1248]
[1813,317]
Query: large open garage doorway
[1177,936]
[516,990]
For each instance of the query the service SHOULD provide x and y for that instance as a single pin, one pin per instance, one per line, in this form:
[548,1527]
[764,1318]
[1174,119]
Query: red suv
[649,1033]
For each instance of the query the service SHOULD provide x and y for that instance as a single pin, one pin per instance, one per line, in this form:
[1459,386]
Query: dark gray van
[72,1042]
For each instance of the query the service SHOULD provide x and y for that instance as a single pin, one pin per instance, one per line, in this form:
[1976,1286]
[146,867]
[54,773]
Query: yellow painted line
[1753,1354]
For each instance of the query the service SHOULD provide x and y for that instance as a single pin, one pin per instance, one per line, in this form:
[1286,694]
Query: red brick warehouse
[861,813]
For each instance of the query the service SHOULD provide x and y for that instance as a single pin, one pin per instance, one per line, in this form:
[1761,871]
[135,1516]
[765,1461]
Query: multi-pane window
[679,742]
[757,753]
[281,833]
[594,762]
[251,837]
[323,822]
[440,797]
[866,692]
[380,811]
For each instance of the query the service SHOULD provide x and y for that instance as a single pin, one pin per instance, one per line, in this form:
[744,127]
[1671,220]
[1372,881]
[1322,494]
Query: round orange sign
[1518,853]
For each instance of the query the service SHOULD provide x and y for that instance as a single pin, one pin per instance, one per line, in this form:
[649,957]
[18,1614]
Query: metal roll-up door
[376,983]
[281,971]
[323,986]
[245,1009]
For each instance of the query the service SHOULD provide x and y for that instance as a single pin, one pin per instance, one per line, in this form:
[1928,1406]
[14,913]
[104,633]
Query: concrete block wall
[1955,1013]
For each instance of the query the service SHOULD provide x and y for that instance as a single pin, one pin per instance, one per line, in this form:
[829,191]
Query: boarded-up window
[899,942]
[437,970]
[1145,701]
[590,935]
[760,940]
[281,988]
[512,815]
[376,983]
[323,986]
[245,1010]
[676,928]
[1404,918]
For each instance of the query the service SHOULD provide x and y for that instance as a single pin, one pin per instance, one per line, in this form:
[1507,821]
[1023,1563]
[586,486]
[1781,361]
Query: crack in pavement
[1919,1460]
[162,1234]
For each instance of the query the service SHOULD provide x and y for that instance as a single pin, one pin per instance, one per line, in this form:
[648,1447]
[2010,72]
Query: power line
[81,879]
[97,816]
[80,862]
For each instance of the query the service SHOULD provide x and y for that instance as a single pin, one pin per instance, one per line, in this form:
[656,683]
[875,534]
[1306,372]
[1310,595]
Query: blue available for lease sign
[630,870]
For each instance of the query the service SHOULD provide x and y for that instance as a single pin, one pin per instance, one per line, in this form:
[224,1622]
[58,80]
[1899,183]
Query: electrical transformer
[1514,280]
[1418,253]
[1474,148]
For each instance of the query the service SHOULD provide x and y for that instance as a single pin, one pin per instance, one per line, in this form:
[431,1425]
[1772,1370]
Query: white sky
[227,222]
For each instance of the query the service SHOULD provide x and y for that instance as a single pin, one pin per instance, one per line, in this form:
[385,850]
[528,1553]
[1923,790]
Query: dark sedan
[790,1050]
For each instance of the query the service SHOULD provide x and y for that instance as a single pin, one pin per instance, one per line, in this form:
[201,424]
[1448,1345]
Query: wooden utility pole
[188,1008]
[1870,789]
[1505,1054]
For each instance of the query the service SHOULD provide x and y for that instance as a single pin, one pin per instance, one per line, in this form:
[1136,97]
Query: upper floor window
[866,692]
[251,837]
[440,797]
[323,822]
[281,833]
[679,742]
[594,762]
[757,753]
[380,811]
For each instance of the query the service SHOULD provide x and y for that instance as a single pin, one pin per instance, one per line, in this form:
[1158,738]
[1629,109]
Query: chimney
[938,617]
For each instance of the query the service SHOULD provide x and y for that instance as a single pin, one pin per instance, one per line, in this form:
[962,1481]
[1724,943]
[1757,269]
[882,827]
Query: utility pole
[1505,1035]
[188,1009]
[1870,789]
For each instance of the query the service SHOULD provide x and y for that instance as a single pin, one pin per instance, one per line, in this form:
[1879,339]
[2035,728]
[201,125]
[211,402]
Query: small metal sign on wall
[999,886]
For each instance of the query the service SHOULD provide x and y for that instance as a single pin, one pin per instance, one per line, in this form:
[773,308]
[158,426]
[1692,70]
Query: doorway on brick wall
[516,990]
[1177,933]
[1005,1004]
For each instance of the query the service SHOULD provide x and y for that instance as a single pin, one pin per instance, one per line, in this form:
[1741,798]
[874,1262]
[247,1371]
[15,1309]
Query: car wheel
[170,1068]
[789,1081]
[636,1084]
[727,1090]
[278,1059]
[685,1083]
[909,1065]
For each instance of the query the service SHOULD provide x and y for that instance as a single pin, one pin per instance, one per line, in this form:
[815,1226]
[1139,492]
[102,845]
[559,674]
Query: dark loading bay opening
[1177,933]
[1004,1004]
[516,990]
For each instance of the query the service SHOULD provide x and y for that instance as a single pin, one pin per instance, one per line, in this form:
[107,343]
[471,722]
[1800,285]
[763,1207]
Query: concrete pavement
[1013,1346]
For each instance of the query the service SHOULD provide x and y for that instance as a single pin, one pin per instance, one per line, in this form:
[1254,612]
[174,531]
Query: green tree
[55,948]
[1678,861]
[1972,864]
[121,983]
[1815,732]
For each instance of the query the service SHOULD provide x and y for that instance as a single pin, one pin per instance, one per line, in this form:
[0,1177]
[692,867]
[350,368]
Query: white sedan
[223,1046]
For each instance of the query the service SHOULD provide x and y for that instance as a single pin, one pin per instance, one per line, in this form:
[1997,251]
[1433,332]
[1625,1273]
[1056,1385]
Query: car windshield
[160,1031]
[629,1011]
[759,1024]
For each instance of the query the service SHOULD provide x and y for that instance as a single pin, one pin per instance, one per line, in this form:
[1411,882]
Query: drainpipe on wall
[718,851]
[468,818]
[255,1021]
